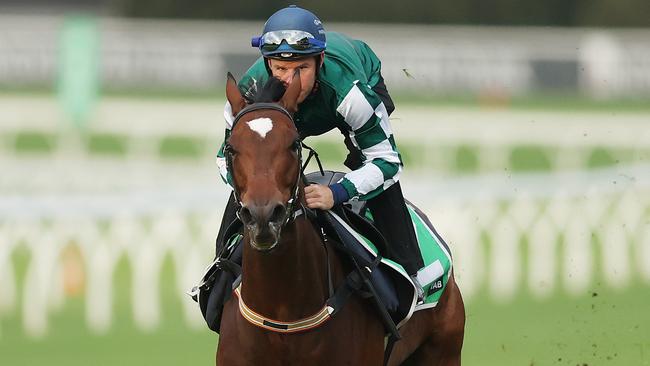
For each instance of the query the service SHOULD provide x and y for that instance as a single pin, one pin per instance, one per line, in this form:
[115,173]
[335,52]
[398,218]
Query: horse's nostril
[245,215]
[278,213]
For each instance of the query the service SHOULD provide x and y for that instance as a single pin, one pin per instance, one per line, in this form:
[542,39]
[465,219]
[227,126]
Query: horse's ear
[236,100]
[290,98]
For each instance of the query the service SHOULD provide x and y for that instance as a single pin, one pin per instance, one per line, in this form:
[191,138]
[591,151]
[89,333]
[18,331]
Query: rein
[336,298]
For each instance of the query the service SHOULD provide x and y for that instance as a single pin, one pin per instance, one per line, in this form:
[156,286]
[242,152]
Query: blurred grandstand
[500,61]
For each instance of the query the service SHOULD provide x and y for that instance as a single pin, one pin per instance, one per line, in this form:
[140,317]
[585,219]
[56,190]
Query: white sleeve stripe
[383,150]
[227,115]
[355,108]
[382,114]
[223,168]
[367,178]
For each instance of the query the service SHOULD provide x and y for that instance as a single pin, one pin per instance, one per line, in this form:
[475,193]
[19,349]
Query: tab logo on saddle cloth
[436,286]
[431,275]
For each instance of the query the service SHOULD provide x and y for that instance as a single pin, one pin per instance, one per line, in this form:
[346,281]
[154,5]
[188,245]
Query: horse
[278,315]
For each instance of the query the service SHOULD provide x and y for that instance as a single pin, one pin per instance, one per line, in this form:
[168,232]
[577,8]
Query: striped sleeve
[370,133]
[221,159]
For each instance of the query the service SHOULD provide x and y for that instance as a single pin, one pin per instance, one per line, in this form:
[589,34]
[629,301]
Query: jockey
[342,88]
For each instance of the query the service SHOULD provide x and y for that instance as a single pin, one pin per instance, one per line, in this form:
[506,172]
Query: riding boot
[393,220]
[229,216]
[389,210]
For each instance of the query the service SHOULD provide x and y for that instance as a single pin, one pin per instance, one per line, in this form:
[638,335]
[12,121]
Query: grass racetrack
[601,327]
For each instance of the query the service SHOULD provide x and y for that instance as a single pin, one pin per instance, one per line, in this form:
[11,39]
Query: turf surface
[600,327]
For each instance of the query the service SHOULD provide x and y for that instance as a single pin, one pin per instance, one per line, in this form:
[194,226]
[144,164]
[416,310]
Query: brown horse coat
[284,271]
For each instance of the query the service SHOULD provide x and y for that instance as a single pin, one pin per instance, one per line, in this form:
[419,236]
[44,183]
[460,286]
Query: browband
[258,106]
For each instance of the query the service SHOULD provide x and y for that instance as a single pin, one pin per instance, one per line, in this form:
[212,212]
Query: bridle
[338,297]
[290,213]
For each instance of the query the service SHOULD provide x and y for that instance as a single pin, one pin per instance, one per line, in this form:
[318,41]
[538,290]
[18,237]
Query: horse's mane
[271,92]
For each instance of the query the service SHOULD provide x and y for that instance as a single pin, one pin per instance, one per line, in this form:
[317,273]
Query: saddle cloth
[393,283]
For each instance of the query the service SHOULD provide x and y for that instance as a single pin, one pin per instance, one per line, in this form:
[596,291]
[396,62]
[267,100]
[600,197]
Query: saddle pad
[433,276]
[435,255]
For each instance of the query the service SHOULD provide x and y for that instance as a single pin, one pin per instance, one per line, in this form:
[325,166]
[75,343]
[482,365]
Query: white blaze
[261,125]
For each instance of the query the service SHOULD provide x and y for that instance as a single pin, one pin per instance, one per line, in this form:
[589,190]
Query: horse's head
[263,155]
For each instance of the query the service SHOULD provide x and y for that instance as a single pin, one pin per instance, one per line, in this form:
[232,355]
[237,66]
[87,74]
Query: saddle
[361,243]
[353,212]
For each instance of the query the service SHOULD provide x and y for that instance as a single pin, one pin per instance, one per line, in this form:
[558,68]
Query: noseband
[291,212]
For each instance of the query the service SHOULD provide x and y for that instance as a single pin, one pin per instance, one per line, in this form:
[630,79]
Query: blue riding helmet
[291,33]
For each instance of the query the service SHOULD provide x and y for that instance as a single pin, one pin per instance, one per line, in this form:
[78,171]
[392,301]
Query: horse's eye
[297,144]
[228,149]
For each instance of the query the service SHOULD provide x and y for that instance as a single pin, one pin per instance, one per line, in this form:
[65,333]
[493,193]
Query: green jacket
[345,101]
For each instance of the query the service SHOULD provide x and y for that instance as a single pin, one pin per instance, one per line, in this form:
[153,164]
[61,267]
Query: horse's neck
[291,281]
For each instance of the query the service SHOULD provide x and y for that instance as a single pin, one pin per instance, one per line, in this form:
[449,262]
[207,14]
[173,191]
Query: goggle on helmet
[291,33]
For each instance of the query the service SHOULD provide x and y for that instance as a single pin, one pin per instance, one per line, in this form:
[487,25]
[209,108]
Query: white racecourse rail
[534,233]
[611,206]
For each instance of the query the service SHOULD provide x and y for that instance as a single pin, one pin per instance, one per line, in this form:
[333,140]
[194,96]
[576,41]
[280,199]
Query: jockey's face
[284,71]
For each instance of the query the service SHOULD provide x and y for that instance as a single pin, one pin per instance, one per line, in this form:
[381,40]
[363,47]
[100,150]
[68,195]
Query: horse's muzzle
[264,224]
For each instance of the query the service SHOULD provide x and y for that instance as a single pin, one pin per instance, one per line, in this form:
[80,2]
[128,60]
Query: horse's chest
[244,344]
[265,348]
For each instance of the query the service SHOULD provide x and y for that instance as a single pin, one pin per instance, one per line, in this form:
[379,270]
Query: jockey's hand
[319,196]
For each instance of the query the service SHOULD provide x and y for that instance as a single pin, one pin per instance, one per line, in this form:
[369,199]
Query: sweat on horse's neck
[289,282]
